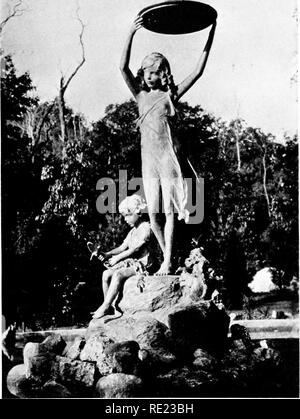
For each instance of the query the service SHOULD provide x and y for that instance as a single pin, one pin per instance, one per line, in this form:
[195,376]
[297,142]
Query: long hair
[160,62]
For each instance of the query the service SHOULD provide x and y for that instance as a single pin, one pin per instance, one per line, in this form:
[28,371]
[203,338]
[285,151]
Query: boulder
[19,384]
[204,361]
[149,333]
[54,390]
[53,343]
[124,357]
[38,363]
[73,349]
[119,386]
[94,351]
[246,371]
[267,357]
[239,355]
[199,325]
[31,349]
[74,373]
[185,382]
[239,332]
[160,293]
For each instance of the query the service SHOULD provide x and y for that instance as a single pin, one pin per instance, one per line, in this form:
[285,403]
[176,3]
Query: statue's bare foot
[101,312]
[110,310]
[165,269]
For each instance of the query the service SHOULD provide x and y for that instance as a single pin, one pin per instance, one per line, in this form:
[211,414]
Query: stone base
[159,294]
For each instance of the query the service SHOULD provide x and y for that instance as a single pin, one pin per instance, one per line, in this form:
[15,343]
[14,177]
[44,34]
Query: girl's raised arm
[197,73]
[124,64]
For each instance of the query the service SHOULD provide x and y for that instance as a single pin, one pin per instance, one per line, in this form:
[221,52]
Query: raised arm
[197,73]
[124,64]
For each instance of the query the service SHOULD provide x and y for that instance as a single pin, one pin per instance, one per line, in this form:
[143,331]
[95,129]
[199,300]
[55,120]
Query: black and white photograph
[149,202]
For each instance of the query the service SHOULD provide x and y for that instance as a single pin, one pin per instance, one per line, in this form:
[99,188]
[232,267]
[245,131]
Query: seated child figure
[132,257]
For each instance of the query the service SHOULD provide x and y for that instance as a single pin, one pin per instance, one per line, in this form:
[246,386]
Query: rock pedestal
[168,342]
[159,295]
[164,318]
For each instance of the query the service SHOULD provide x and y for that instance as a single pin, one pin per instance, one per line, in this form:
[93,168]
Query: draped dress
[161,169]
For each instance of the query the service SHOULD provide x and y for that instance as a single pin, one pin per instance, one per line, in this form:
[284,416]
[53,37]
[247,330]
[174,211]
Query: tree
[14,11]
[281,236]
[65,83]
[17,93]
[20,183]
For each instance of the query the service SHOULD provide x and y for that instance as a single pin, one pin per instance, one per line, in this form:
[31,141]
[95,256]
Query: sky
[248,75]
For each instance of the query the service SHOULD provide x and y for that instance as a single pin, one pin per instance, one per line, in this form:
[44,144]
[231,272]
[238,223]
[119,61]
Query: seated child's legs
[106,279]
[117,279]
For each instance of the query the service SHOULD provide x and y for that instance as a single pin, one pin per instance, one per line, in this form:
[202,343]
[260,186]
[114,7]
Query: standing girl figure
[156,96]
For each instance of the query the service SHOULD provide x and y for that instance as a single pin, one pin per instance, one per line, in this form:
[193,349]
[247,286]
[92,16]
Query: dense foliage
[49,200]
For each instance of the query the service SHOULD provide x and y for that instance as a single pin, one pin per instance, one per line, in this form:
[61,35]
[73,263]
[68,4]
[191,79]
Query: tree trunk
[61,107]
[238,152]
[265,183]
[64,85]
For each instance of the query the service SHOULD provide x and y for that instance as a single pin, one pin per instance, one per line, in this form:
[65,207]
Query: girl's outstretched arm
[197,73]
[130,251]
[124,64]
[117,250]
